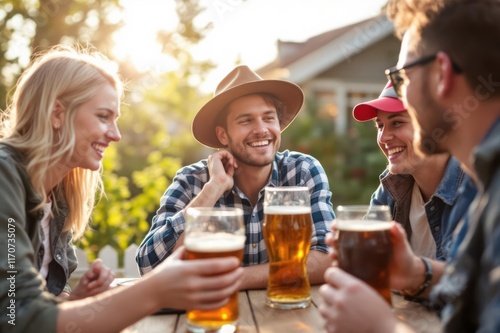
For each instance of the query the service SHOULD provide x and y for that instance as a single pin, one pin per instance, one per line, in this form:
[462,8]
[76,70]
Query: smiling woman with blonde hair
[48,96]
[62,117]
[67,84]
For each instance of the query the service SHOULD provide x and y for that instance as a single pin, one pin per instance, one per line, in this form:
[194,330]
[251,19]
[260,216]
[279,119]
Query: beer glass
[214,233]
[287,232]
[363,244]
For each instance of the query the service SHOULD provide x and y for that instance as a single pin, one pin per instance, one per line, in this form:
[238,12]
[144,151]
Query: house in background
[339,68]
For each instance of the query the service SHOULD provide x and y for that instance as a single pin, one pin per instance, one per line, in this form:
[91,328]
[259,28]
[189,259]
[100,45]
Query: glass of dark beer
[363,244]
[214,233]
[287,232]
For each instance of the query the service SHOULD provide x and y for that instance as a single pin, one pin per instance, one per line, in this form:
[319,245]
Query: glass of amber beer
[363,244]
[214,233]
[287,232]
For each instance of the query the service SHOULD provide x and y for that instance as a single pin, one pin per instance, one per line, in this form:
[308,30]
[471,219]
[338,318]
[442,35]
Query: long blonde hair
[70,76]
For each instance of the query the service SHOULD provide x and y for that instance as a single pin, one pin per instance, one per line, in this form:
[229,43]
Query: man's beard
[246,159]
[431,129]
[243,156]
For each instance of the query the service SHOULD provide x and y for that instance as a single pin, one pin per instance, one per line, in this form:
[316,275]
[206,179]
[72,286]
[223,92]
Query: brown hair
[467,30]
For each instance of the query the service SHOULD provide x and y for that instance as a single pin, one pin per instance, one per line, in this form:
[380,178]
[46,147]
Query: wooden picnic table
[256,317]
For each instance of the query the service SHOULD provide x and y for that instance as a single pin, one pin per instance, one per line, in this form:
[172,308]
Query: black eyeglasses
[397,79]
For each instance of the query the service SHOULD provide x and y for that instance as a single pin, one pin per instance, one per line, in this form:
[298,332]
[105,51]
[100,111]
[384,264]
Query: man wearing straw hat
[243,121]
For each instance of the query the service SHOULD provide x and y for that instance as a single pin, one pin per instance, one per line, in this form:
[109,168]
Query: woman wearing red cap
[428,195]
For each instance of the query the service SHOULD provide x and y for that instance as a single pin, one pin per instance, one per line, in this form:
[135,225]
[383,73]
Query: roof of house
[302,60]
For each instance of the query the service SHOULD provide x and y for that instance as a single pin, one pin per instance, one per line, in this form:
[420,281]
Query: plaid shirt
[289,169]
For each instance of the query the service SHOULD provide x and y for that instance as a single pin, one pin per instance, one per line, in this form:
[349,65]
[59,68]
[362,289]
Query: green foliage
[156,141]
[352,161]
[359,162]
[28,26]
[119,218]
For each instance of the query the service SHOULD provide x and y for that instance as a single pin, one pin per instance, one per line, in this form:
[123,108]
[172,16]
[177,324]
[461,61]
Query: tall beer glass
[287,232]
[214,233]
[364,246]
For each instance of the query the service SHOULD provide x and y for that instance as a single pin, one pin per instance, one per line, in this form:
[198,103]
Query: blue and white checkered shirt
[289,169]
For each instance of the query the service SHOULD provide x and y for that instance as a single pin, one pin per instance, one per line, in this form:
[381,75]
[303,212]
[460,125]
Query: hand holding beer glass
[214,233]
[287,232]
[363,244]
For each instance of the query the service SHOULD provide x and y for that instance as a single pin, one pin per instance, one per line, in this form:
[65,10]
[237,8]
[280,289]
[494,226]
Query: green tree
[121,219]
[352,161]
[156,114]
[28,26]
[156,140]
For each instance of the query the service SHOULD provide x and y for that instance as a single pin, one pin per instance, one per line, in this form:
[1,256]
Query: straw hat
[388,101]
[239,82]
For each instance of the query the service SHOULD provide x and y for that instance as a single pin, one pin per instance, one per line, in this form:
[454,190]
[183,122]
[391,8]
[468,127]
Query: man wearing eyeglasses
[448,75]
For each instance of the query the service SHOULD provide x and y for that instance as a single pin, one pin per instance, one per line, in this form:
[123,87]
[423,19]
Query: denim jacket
[470,286]
[444,210]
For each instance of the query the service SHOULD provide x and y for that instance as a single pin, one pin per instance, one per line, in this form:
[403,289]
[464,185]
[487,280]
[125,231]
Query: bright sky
[245,30]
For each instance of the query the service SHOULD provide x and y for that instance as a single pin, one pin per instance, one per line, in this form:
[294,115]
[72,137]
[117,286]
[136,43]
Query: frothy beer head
[218,242]
[286,210]
[362,225]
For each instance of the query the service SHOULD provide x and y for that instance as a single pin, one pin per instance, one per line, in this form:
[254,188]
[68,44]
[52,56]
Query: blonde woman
[62,117]
[63,178]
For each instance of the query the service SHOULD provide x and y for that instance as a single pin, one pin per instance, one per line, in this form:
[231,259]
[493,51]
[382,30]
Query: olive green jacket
[25,304]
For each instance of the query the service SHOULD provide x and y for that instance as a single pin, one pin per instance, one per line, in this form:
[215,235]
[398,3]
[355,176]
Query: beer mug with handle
[363,244]
[213,233]
[287,232]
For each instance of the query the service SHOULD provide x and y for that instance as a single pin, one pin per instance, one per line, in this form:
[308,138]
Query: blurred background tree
[352,161]
[30,26]
[157,114]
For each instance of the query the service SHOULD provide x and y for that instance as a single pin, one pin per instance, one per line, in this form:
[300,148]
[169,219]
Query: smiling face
[95,127]
[252,133]
[395,139]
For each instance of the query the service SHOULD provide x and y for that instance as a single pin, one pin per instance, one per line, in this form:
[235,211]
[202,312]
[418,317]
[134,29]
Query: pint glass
[287,232]
[214,233]
[363,244]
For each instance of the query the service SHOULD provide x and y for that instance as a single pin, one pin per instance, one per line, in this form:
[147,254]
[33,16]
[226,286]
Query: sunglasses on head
[397,78]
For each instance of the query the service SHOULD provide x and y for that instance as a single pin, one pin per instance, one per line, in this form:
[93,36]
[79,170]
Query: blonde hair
[70,76]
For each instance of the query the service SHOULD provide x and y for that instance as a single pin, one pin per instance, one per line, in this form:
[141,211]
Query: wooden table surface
[256,317]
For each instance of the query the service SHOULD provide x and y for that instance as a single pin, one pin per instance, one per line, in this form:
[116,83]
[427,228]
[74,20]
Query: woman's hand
[404,263]
[96,280]
[196,284]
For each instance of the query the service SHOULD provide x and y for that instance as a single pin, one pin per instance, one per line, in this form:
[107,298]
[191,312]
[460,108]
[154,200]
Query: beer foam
[362,225]
[287,210]
[215,242]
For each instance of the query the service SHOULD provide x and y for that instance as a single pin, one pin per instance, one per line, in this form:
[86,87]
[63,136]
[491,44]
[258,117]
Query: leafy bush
[352,161]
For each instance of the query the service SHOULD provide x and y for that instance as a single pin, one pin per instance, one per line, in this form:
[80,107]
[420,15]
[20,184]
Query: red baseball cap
[388,101]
